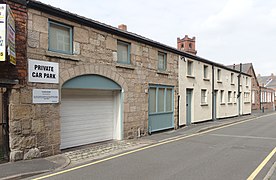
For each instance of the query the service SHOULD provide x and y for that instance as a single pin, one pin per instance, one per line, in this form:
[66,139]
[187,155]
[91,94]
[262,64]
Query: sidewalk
[27,168]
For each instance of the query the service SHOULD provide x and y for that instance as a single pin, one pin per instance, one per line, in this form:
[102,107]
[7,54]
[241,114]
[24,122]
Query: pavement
[69,158]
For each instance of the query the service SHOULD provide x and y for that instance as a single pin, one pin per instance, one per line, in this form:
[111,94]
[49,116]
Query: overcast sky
[226,31]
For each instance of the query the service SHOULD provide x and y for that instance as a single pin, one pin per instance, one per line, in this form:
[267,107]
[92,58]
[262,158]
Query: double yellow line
[251,177]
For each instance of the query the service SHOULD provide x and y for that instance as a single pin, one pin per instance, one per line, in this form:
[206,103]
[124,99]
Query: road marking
[146,147]
[261,166]
[248,137]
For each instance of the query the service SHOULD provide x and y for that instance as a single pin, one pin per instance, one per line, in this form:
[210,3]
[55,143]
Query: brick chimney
[186,44]
[123,27]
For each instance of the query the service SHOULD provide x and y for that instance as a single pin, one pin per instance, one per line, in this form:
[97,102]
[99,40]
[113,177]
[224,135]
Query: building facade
[211,89]
[78,81]
[261,95]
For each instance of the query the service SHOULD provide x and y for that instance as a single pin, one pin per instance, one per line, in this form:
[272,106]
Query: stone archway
[104,71]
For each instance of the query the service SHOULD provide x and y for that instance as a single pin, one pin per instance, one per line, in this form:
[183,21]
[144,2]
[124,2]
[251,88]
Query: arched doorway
[90,111]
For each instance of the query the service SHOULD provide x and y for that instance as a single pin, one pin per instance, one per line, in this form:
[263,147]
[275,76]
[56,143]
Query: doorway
[215,105]
[189,94]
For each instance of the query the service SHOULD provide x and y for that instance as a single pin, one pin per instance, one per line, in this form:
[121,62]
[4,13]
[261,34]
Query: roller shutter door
[87,116]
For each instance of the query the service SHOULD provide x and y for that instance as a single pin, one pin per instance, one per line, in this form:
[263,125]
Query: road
[229,153]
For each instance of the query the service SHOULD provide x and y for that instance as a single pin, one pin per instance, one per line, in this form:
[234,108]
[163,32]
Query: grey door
[189,93]
[215,105]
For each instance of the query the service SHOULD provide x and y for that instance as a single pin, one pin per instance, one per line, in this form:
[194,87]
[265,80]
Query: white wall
[196,82]
[246,88]
[200,112]
[225,108]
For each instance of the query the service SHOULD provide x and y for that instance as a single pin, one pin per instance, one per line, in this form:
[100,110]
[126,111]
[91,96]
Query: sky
[227,31]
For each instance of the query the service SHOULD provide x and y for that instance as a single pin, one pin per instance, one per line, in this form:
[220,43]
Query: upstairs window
[123,52]
[205,72]
[162,61]
[190,68]
[246,81]
[232,78]
[219,75]
[60,38]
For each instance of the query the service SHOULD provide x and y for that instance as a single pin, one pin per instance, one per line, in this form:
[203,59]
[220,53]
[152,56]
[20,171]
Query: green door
[215,105]
[161,108]
[189,93]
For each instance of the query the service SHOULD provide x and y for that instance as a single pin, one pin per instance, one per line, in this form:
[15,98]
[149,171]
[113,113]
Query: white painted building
[208,90]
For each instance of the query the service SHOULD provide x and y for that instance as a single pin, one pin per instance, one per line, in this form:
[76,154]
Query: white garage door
[87,116]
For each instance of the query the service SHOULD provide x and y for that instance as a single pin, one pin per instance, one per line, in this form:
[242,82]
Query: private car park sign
[43,71]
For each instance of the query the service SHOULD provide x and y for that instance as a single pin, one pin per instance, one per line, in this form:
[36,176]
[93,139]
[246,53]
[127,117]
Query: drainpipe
[178,101]
[239,90]
[213,94]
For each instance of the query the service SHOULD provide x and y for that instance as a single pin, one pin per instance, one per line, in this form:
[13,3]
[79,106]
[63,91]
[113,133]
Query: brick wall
[255,89]
[9,71]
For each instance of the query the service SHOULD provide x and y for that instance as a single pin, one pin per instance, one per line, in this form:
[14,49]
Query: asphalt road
[228,153]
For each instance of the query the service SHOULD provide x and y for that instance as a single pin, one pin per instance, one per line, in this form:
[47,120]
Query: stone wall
[95,52]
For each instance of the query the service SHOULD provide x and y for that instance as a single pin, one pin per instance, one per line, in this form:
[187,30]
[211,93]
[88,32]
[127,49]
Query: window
[123,52]
[152,99]
[253,97]
[219,75]
[190,68]
[160,99]
[205,71]
[246,97]
[203,96]
[234,97]
[60,38]
[262,96]
[169,100]
[246,81]
[222,96]
[162,61]
[229,97]
[232,78]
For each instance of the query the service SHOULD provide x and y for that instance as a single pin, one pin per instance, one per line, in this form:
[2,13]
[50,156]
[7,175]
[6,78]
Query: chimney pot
[123,27]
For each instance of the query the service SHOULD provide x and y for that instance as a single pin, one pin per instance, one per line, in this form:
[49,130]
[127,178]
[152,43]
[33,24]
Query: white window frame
[219,75]
[190,68]
[204,96]
[229,97]
[205,72]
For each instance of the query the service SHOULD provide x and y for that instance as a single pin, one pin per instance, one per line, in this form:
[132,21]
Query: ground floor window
[161,107]
[161,99]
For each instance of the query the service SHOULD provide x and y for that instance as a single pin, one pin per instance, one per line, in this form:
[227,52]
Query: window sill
[247,86]
[126,66]
[203,104]
[222,103]
[246,102]
[232,84]
[229,103]
[219,82]
[163,72]
[62,56]
[190,76]
[206,79]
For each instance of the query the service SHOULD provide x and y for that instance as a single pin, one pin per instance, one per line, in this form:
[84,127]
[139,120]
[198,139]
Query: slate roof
[245,67]
[267,81]
[115,31]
